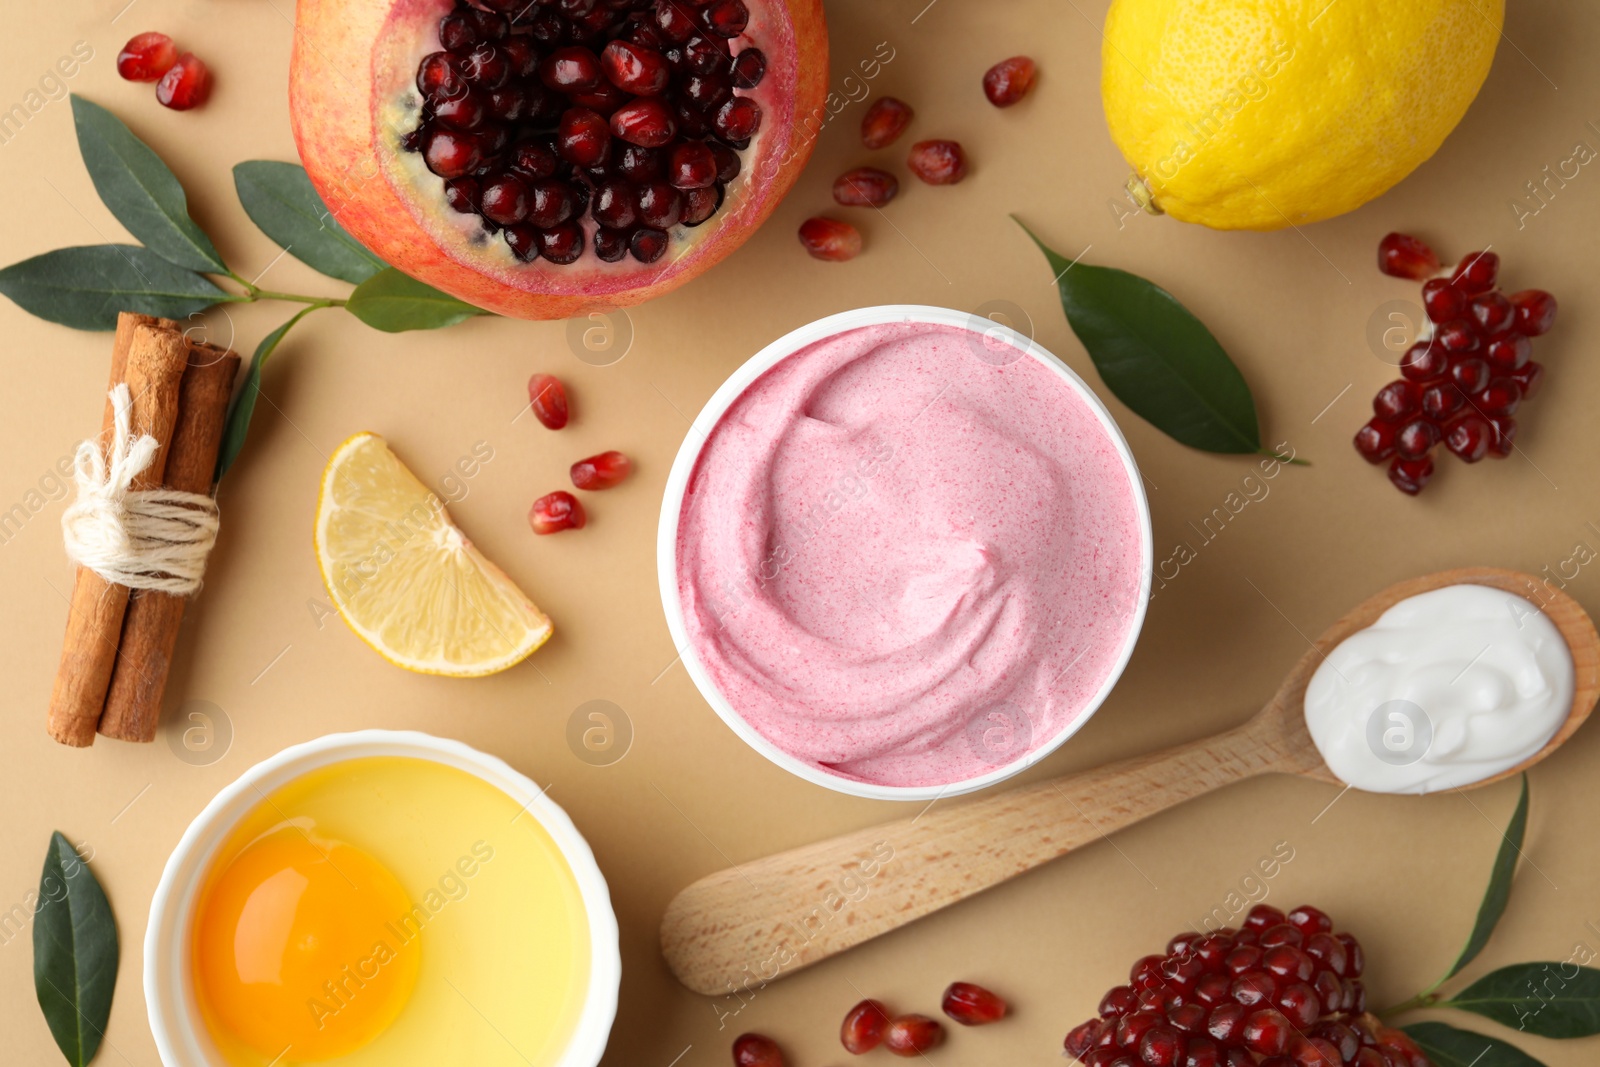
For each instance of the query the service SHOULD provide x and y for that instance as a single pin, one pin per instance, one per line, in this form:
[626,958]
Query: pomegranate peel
[357,138]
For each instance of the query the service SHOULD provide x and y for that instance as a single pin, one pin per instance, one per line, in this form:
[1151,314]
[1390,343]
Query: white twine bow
[147,539]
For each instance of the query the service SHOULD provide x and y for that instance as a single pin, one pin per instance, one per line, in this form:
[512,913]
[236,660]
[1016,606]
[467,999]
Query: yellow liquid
[390,912]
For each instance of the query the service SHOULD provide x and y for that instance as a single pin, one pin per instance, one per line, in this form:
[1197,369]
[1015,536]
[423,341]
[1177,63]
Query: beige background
[1293,308]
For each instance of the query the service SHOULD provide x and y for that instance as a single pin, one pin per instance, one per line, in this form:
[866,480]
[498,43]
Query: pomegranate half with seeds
[544,158]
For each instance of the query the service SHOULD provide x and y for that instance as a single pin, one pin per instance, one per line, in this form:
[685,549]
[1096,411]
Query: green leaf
[1448,1047]
[1156,357]
[394,302]
[85,287]
[244,405]
[1499,891]
[140,190]
[74,952]
[1548,999]
[280,199]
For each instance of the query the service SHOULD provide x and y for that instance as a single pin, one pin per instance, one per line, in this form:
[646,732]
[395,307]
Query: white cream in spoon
[1445,689]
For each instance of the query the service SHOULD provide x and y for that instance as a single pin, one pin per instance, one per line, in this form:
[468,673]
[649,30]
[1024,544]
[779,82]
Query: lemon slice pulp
[405,578]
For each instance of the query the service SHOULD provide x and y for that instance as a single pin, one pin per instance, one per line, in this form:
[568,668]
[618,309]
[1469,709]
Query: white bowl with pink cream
[904,552]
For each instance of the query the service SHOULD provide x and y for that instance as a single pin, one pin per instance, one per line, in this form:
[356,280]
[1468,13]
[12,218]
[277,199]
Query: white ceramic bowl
[689,453]
[181,1035]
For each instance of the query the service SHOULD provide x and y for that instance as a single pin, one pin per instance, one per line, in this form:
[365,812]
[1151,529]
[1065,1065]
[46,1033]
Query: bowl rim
[699,435]
[168,997]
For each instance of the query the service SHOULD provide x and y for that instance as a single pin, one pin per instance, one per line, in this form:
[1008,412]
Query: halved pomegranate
[544,158]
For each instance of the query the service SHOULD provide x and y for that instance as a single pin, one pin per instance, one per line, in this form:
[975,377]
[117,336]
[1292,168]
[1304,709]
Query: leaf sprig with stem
[1548,999]
[174,271]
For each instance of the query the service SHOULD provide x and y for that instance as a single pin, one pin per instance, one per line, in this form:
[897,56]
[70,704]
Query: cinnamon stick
[150,627]
[156,360]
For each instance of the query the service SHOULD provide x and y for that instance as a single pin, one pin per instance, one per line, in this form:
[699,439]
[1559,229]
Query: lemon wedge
[406,579]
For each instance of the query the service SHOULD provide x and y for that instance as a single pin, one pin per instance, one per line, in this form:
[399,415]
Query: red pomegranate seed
[1288,962]
[548,398]
[1477,273]
[550,204]
[738,119]
[1402,256]
[146,57]
[1267,1032]
[1470,375]
[1442,301]
[571,70]
[1327,951]
[659,205]
[725,18]
[830,240]
[1500,397]
[505,200]
[634,68]
[1161,1046]
[450,154]
[754,1050]
[647,245]
[1469,438]
[1009,80]
[1416,438]
[1457,336]
[972,1005]
[555,512]
[863,1026]
[1212,988]
[523,240]
[938,162]
[1509,351]
[885,121]
[610,245]
[562,244]
[865,187]
[1442,400]
[749,67]
[691,165]
[674,22]
[1505,435]
[604,471]
[1492,311]
[700,204]
[1375,441]
[646,122]
[1411,476]
[1254,987]
[1082,1038]
[1315,1052]
[583,136]
[1118,1001]
[1300,1004]
[1425,362]
[912,1035]
[1536,311]
[1226,1023]
[464,111]
[186,84]
[486,67]
[1529,376]
[1396,399]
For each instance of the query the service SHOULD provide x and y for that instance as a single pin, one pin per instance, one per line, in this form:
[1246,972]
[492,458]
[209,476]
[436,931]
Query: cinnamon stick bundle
[118,650]
[150,628]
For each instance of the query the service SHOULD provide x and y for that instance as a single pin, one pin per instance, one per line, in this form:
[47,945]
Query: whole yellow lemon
[1259,114]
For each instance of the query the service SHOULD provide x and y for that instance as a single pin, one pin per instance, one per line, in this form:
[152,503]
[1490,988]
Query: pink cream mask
[910,555]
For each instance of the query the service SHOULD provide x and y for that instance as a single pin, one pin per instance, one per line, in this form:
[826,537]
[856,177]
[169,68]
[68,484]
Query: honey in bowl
[390,911]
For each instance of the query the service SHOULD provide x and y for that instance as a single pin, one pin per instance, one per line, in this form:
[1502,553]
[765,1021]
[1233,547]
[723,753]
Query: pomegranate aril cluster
[560,510]
[1282,991]
[182,81]
[631,114]
[1462,383]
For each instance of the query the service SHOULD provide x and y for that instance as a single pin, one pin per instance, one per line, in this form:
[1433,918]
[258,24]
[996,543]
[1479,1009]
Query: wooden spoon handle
[746,925]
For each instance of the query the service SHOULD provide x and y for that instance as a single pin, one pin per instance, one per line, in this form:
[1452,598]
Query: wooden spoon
[751,923]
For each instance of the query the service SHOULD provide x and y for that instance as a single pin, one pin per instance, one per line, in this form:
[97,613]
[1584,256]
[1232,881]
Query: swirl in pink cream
[905,564]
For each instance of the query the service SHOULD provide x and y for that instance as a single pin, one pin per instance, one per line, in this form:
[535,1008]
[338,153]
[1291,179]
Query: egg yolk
[303,948]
